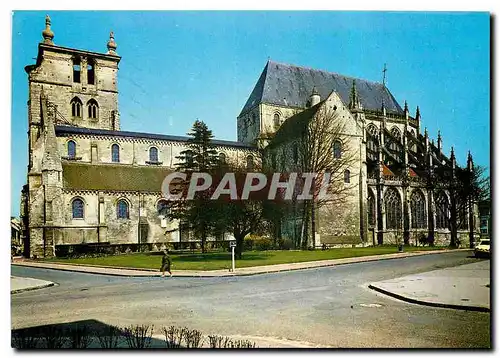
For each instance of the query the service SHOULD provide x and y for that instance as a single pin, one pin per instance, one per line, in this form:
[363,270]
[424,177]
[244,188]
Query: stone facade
[90,182]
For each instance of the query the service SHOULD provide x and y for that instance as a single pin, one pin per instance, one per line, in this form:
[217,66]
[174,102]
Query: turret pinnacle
[47,34]
[112,44]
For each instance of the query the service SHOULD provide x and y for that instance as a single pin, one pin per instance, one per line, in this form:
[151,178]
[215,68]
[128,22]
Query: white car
[482,249]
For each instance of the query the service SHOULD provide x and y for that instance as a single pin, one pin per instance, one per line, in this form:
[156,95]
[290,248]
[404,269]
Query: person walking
[166,262]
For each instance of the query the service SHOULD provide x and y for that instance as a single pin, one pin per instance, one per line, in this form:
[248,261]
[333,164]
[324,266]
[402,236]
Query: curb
[205,274]
[431,304]
[32,288]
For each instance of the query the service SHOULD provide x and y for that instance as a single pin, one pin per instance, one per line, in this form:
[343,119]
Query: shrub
[226,342]
[138,336]
[24,338]
[79,337]
[109,337]
[174,336]
[286,244]
[263,244]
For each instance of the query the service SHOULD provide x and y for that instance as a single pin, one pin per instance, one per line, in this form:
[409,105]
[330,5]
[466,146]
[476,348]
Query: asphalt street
[328,307]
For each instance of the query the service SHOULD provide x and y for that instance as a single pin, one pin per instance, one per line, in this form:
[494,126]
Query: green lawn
[222,260]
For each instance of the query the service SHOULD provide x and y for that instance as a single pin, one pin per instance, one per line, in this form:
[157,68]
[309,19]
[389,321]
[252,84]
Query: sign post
[232,245]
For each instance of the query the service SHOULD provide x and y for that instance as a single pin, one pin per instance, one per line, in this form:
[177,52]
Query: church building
[90,182]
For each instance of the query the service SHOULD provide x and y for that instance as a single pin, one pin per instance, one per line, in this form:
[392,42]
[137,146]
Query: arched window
[371,142]
[250,163]
[76,107]
[442,215]
[115,153]
[77,207]
[222,159]
[93,109]
[153,154]
[90,72]
[276,121]
[295,154]
[347,176]
[392,209]
[418,210]
[162,208]
[397,135]
[122,209]
[337,149]
[76,70]
[71,149]
[372,214]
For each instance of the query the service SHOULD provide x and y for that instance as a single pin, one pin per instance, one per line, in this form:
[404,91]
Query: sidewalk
[465,287]
[246,271]
[20,284]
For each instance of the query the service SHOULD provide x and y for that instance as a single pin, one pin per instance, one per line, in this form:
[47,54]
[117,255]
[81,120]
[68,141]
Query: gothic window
[371,209]
[115,153]
[250,163]
[222,159]
[442,205]
[295,154]
[418,210]
[337,149]
[91,72]
[122,209]
[77,207]
[162,208]
[93,109]
[71,149]
[76,70]
[276,121]
[392,209]
[153,154]
[371,141]
[347,176]
[397,135]
[76,107]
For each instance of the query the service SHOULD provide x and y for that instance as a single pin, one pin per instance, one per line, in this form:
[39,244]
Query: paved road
[329,306]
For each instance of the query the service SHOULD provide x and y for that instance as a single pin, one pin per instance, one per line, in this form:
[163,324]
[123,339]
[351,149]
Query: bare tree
[325,149]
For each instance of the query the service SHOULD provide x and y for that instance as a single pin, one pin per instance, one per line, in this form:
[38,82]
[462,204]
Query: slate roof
[290,85]
[113,177]
[69,130]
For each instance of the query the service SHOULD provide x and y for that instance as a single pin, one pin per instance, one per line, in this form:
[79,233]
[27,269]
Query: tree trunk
[471,225]
[453,223]
[203,240]
[238,250]
[313,225]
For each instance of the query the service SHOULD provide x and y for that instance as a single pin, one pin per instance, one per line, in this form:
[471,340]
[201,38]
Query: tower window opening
[91,73]
[76,70]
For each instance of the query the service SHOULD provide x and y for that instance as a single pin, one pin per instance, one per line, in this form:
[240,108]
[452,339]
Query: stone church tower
[71,87]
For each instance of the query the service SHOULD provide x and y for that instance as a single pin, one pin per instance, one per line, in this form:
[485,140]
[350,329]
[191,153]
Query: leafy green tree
[238,217]
[200,156]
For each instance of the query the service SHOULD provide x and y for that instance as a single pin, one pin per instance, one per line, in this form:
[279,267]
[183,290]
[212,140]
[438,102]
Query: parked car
[482,249]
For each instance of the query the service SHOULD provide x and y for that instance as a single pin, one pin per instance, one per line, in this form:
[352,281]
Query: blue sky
[177,67]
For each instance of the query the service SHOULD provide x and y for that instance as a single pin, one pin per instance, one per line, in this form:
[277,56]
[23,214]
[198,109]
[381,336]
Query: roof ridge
[325,71]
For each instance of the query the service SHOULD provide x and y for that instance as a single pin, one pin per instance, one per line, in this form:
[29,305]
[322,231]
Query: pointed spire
[315,98]
[47,34]
[469,161]
[417,114]
[406,107]
[353,98]
[452,155]
[440,142]
[112,44]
